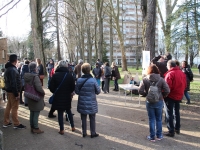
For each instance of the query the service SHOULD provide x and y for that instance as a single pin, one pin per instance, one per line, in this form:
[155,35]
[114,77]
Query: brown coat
[116,72]
[33,105]
[162,85]
[77,70]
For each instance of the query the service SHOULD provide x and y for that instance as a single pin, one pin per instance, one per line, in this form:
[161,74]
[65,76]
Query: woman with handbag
[62,84]
[40,70]
[87,89]
[32,79]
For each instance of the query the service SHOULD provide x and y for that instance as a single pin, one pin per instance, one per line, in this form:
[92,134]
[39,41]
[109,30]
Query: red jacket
[176,80]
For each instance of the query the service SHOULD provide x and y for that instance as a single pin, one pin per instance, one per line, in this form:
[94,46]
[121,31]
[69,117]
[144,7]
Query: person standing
[97,73]
[107,74]
[77,69]
[50,66]
[24,70]
[199,68]
[12,87]
[154,109]
[40,70]
[116,76]
[35,107]
[102,77]
[162,65]
[87,89]
[189,77]
[176,80]
[63,97]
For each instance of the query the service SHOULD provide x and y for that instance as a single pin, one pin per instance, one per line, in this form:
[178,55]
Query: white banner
[145,61]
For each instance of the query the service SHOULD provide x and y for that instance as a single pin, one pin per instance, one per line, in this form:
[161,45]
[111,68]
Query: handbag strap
[82,84]
[60,84]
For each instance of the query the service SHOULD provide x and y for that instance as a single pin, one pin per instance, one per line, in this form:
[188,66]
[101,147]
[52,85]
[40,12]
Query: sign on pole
[145,61]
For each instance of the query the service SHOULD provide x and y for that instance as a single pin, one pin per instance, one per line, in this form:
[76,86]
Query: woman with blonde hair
[40,70]
[115,76]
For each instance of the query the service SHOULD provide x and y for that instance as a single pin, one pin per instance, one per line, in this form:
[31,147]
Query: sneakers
[21,126]
[159,138]
[8,125]
[151,139]
[187,103]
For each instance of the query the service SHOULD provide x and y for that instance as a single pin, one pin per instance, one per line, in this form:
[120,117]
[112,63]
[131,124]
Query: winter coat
[162,66]
[40,69]
[62,99]
[87,102]
[107,72]
[187,71]
[24,70]
[97,72]
[28,79]
[176,80]
[116,73]
[77,70]
[12,79]
[162,85]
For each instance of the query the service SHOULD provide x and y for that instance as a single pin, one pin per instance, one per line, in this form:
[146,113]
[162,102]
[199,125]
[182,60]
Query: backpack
[2,82]
[153,93]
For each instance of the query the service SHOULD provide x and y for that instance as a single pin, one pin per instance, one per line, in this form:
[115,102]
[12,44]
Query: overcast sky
[17,21]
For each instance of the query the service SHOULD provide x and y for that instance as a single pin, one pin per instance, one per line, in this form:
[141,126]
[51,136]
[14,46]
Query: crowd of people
[172,82]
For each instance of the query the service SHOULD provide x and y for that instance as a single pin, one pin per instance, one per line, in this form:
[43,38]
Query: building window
[3,53]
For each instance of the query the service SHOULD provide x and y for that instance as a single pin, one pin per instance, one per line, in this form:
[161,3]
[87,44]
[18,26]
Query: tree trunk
[187,40]
[151,27]
[37,30]
[144,17]
[111,39]
[57,32]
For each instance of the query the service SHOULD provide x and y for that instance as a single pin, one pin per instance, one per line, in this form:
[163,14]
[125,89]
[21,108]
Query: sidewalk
[120,127]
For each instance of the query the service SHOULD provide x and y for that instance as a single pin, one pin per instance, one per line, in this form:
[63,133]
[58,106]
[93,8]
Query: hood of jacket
[153,77]
[29,76]
[8,64]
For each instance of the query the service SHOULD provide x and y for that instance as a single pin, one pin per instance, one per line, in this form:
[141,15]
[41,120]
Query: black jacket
[162,66]
[24,70]
[12,79]
[40,69]
[62,99]
[187,72]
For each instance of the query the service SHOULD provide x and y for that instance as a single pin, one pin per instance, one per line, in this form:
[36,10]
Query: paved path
[120,127]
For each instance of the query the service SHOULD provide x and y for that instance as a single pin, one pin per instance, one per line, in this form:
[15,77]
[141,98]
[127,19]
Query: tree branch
[161,17]
[6,5]
[10,8]
[174,4]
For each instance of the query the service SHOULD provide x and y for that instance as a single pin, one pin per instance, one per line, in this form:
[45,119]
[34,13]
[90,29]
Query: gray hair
[80,61]
[62,63]
[32,67]
[171,63]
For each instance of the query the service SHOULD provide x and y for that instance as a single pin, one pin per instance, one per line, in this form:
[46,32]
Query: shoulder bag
[31,93]
[52,97]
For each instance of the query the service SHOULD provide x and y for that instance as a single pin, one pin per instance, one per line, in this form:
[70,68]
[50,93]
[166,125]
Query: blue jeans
[60,118]
[171,104]
[155,118]
[187,96]
[98,81]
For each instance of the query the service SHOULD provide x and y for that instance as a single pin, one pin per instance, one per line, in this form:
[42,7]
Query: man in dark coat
[12,87]
[162,65]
